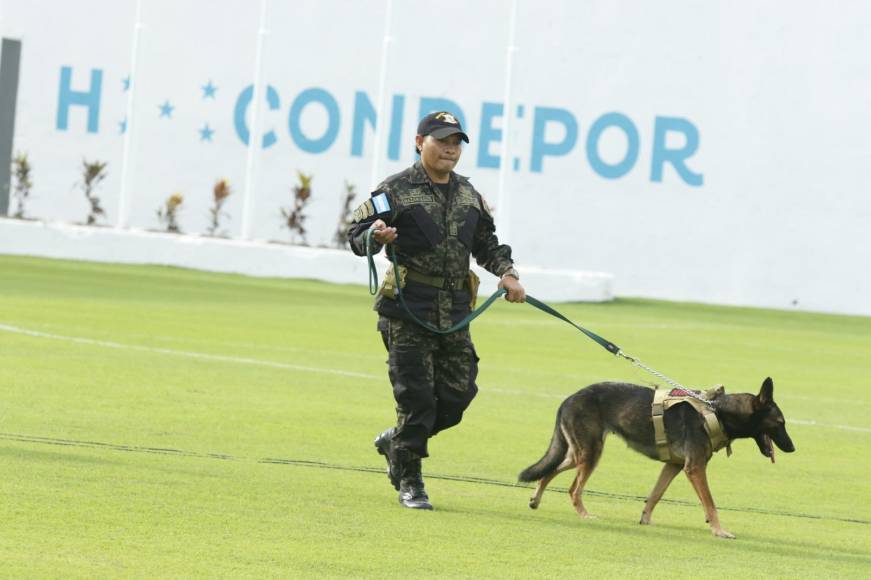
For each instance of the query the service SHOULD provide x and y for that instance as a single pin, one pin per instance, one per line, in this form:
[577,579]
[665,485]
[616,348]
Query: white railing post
[381,112]
[254,135]
[503,197]
[130,125]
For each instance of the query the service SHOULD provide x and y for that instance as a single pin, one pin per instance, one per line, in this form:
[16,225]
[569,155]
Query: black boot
[411,491]
[384,447]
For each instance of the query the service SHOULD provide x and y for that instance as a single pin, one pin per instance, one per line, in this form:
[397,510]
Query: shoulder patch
[365,210]
[381,203]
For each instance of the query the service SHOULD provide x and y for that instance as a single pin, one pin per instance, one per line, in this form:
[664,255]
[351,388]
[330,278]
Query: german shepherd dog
[585,418]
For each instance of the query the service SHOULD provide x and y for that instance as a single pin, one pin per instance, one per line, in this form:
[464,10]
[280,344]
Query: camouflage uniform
[433,376]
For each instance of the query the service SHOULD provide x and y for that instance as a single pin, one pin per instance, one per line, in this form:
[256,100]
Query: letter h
[90,99]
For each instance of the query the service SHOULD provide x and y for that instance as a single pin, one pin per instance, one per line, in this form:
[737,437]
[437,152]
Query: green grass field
[164,422]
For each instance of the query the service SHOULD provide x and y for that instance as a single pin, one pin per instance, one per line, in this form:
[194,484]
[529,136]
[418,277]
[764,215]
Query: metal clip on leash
[656,373]
[690,392]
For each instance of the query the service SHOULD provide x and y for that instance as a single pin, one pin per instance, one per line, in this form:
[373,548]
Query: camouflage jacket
[437,234]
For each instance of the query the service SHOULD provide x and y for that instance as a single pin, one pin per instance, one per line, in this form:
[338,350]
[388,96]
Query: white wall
[768,208]
[130,246]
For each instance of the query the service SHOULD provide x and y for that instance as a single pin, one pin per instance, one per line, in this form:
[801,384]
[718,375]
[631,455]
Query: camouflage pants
[433,378]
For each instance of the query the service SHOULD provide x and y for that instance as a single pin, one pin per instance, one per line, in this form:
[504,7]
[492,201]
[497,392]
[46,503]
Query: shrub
[345,217]
[220,192]
[294,218]
[21,172]
[168,214]
[93,173]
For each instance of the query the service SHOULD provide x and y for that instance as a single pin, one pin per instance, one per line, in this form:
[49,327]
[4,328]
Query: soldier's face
[440,156]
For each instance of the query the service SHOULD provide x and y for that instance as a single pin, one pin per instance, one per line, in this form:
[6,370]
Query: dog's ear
[766,393]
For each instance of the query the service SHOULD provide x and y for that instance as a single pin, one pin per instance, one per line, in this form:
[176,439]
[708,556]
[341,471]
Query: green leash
[604,343]
[391,254]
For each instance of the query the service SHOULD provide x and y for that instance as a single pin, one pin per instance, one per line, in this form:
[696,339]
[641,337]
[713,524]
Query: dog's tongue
[770,447]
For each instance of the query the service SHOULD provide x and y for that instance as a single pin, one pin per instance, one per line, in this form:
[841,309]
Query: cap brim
[443,132]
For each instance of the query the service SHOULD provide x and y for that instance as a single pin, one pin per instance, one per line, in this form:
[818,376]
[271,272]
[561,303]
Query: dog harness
[663,399]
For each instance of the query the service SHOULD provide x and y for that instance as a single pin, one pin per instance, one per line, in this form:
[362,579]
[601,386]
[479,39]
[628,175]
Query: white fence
[65,241]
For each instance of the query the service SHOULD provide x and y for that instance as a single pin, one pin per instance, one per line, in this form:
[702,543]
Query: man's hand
[516,293]
[383,234]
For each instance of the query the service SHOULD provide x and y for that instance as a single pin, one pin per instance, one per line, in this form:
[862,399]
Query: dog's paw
[533,504]
[645,519]
[721,533]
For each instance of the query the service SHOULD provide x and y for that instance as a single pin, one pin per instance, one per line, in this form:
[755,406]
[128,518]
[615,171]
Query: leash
[603,342]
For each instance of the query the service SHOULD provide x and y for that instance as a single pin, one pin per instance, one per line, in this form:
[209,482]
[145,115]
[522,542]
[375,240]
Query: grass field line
[185,353]
[39,440]
[211,341]
[823,399]
[288,366]
[813,423]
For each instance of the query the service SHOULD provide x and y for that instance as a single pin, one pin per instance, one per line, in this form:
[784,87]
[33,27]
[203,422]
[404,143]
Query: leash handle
[373,271]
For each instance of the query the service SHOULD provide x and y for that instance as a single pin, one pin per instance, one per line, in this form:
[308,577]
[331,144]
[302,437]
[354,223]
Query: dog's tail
[552,457]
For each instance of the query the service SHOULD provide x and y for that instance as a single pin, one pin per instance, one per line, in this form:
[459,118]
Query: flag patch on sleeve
[381,204]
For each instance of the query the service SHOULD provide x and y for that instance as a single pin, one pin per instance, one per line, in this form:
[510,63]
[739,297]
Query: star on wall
[166,109]
[206,133]
[126,82]
[209,90]
[122,126]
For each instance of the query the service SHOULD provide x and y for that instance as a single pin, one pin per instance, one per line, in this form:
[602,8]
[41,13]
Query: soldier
[435,220]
